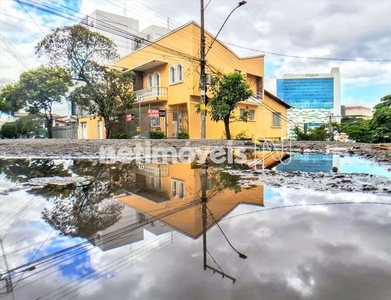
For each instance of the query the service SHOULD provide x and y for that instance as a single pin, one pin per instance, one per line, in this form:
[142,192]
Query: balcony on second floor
[151,93]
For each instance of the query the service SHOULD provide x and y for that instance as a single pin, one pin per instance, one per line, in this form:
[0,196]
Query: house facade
[166,88]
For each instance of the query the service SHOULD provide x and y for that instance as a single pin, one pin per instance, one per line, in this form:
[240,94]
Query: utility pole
[331,134]
[202,74]
[203,63]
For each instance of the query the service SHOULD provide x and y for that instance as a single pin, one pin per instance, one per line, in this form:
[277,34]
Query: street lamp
[203,63]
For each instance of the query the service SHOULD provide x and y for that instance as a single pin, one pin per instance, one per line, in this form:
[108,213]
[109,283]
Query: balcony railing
[151,92]
[154,171]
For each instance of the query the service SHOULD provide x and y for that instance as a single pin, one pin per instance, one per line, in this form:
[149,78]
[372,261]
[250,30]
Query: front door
[100,130]
[84,130]
[176,121]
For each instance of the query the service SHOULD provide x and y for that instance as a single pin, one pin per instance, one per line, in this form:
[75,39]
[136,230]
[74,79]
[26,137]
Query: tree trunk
[227,131]
[107,127]
[49,125]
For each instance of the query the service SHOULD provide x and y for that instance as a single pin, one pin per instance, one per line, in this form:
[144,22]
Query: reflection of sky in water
[304,252]
[352,164]
[325,162]
[73,264]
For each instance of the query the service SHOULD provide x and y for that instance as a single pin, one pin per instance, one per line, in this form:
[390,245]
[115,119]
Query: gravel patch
[330,182]
[73,149]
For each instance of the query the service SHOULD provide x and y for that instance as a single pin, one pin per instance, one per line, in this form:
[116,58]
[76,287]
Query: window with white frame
[176,73]
[154,122]
[156,79]
[172,75]
[149,80]
[179,73]
[177,188]
[247,114]
[251,115]
[276,119]
[156,183]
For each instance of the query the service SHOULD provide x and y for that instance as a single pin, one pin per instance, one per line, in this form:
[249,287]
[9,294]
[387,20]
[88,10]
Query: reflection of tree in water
[21,170]
[113,179]
[89,209]
[78,210]
[83,214]
[219,181]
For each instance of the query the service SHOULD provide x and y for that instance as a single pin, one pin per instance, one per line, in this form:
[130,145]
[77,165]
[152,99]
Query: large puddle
[82,229]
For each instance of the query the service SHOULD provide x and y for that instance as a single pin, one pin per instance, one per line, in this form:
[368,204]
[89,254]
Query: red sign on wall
[153,113]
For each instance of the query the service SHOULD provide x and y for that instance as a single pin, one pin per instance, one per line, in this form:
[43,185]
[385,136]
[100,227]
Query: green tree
[41,88]
[84,53]
[81,51]
[108,97]
[301,135]
[319,133]
[357,129]
[381,121]
[316,134]
[28,125]
[8,130]
[228,91]
[11,99]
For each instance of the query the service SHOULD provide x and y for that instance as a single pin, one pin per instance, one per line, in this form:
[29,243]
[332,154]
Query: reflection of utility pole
[204,201]
[8,279]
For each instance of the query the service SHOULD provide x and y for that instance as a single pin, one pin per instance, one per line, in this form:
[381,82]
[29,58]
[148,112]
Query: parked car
[37,137]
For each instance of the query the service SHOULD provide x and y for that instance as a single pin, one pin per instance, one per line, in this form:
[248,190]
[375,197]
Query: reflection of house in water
[310,163]
[171,193]
[129,229]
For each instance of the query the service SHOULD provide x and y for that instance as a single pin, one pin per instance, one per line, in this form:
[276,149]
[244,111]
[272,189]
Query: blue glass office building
[307,92]
[314,98]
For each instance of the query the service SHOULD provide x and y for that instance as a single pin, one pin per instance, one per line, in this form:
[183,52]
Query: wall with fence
[65,132]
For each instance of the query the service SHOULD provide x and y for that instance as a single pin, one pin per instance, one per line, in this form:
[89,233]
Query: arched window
[179,72]
[149,79]
[156,79]
[172,74]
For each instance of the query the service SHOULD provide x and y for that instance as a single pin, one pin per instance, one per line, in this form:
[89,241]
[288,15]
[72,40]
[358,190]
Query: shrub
[120,135]
[156,135]
[183,135]
[8,130]
[242,135]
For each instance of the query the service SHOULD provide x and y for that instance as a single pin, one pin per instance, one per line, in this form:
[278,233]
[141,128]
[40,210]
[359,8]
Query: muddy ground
[332,182]
[63,148]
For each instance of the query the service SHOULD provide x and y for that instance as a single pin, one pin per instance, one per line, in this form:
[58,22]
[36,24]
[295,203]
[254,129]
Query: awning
[149,65]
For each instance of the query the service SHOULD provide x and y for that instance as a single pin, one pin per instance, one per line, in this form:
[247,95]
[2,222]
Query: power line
[39,27]
[308,57]
[14,52]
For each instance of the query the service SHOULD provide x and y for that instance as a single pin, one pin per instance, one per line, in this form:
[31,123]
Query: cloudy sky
[297,36]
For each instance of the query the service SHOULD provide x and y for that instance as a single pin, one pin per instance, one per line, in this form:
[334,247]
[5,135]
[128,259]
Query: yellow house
[167,89]
[91,127]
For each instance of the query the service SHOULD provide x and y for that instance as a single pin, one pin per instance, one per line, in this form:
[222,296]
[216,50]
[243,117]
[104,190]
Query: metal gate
[68,131]
[153,118]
